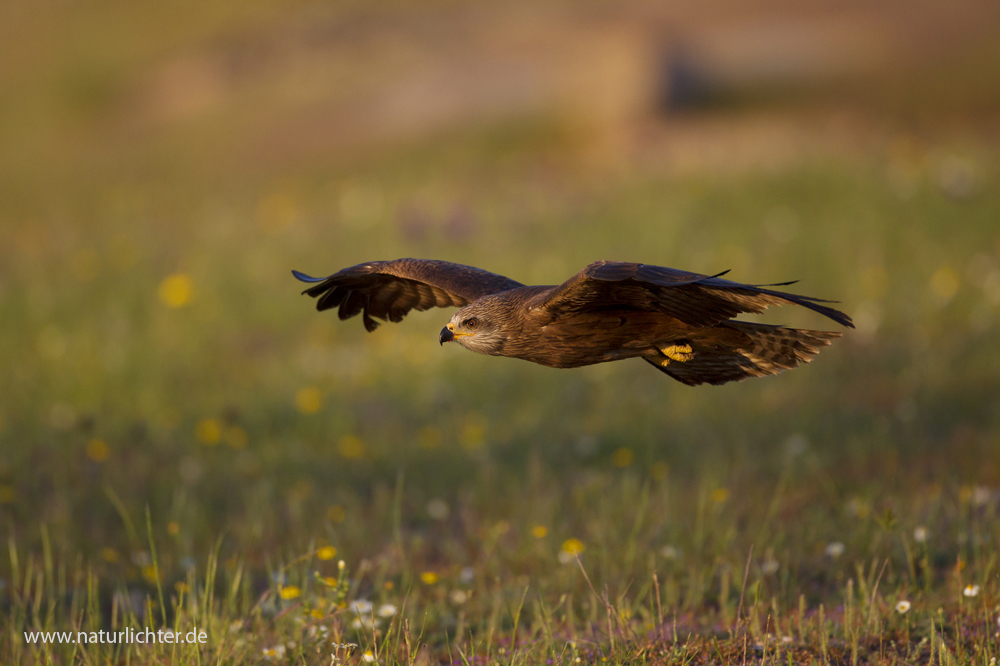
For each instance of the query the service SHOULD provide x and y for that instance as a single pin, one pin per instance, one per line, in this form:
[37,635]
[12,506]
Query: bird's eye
[471,323]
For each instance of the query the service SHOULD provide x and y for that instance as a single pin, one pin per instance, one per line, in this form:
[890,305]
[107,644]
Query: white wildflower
[386,610]
[981,495]
[835,549]
[438,509]
[796,444]
[920,534]
[363,622]
[902,606]
[276,652]
[971,591]
[360,607]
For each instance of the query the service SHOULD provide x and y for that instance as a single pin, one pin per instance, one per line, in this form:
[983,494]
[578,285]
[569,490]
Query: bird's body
[679,322]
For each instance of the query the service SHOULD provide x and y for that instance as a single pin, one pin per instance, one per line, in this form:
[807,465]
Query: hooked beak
[446,335]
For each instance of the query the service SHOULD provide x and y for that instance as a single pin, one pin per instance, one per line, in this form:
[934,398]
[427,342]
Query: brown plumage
[681,323]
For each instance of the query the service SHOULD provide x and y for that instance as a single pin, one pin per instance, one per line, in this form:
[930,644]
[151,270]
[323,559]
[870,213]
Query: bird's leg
[679,353]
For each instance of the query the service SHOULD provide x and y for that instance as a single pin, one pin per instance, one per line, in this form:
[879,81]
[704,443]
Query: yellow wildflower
[97,450]
[623,457]
[208,431]
[351,447]
[290,592]
[474,431]
[944,283]
[176,290]
[720,495]
[308,400]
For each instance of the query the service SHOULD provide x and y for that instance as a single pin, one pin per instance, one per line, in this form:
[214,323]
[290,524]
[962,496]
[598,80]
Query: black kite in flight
[679,322]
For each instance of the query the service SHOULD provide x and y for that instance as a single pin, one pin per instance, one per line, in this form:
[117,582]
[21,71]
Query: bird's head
[476,328]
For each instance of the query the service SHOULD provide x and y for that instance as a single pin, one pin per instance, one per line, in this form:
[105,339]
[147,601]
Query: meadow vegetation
[185,442]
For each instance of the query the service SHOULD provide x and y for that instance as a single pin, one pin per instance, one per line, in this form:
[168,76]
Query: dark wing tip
[805,301]
[841,318]
[780,284]
[302,277]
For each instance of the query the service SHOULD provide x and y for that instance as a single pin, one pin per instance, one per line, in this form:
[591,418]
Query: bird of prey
[681,323]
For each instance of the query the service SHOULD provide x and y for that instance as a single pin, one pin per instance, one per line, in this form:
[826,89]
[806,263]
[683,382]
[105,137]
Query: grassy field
[185,442]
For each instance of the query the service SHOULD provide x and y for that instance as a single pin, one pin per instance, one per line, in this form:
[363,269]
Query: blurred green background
[163,167]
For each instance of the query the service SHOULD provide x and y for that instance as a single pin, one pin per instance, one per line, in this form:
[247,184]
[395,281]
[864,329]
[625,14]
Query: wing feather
[696,300]
[388,290]
[352,305]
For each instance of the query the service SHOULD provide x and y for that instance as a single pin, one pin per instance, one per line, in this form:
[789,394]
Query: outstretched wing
[696,300]
[387,290]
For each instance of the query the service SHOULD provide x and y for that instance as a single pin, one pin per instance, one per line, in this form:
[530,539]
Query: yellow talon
[680,353]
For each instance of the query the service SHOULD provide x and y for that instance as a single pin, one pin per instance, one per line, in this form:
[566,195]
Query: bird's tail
[776,348]
[737,350]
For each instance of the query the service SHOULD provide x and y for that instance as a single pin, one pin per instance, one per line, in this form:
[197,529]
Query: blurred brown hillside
[261,86]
